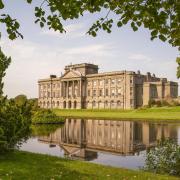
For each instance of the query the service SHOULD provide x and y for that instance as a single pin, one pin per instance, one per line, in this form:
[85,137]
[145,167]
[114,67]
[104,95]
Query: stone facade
[81,86]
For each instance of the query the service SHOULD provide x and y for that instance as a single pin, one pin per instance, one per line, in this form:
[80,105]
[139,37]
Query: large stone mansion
[81,86]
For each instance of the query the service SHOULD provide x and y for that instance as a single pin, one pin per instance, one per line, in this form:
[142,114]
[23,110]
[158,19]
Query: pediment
[72,74]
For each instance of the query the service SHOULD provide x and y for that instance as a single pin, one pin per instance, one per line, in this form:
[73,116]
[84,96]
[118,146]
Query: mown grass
[161,113]
[24,165]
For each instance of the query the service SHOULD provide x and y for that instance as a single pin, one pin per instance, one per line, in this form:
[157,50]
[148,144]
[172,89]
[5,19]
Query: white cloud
[32,61]
[72,31]
[140,57]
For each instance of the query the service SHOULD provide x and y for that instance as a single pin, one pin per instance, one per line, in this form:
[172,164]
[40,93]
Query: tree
[4,63]
[15,119]
[20,100]
[161,17]
[178,68]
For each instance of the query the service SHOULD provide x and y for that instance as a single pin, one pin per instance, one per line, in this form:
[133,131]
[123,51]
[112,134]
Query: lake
[109,142]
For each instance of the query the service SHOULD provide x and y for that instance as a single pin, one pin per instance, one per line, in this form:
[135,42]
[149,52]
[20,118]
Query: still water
[108,142]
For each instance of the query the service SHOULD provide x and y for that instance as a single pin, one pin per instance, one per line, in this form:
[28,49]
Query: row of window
[47,86]
[48,94]
[100,92]
[107,81]
[106,104]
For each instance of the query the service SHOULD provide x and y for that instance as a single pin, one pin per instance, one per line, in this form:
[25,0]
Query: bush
[46,116]
[151,102]
[165,103]
[14,124]
[15,119]
[165,158]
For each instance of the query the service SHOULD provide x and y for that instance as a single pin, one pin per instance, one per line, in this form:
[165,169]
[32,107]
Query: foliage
[34,104]
[165,158]
[161,103]
[4,63]
[161,17]
[151,102]
[20,100]
[178,68]
[14,125]
[14,119]
[44,129]
[46,116]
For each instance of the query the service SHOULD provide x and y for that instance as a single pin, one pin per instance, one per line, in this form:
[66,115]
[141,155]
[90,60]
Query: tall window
[119,80]
[100,82]
[89,93]
[113,92]
[107,92]
[100,92]
[94,82]
[112,81]
[94,92]
[119,91]
[106,81]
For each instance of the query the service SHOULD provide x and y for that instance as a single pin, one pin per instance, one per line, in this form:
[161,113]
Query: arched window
[48,104]
[57,103]
[69,104]
[64,104]
[99,104]
[40,104]
[75,104]
[94,104]
[106,104]
[118,103]
[112,104]
[53,104]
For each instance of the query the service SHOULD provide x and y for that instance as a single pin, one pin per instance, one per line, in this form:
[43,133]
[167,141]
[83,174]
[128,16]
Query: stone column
[80,88]
[67,89]
[73,89]
[61,92]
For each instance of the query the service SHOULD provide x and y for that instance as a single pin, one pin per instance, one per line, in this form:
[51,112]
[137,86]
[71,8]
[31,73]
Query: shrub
[14,124]
[165,158]
[151,102]
[46,116]
[165,103]
[15,119]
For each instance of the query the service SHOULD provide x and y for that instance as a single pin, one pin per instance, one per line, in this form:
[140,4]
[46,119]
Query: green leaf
[1,4]
[41,24]
[119,24]
[163,38]
[29,1]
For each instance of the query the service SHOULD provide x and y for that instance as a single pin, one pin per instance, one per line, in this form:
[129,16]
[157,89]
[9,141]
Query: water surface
[108,142]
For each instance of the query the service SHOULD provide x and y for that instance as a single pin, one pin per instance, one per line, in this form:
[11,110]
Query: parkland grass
[148,114]
[20,165]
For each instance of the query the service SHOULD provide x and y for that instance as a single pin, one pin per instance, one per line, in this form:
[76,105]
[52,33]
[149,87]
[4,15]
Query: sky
[43,52]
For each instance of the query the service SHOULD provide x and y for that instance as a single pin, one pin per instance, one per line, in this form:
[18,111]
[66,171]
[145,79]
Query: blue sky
[43,52]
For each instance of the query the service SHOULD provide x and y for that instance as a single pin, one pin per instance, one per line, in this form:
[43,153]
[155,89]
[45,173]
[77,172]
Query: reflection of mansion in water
[84,138]
[81,86]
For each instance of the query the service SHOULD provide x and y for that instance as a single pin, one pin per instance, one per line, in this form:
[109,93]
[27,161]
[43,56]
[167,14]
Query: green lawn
[162,113]
[23,165]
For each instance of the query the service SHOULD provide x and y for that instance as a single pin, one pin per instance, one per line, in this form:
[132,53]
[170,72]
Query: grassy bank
[161,113]
[23,165]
